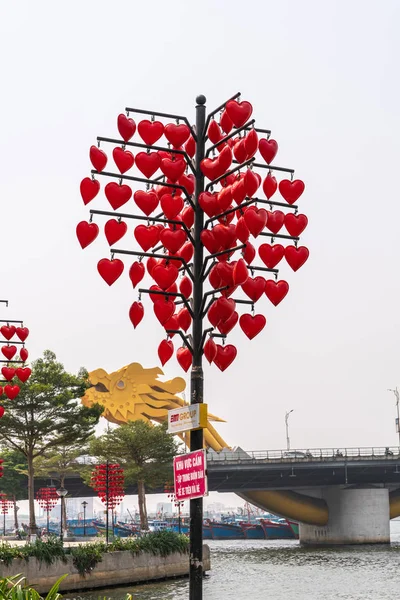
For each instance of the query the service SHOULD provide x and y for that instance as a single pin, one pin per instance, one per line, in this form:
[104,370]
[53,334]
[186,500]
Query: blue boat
[252,531]
[226,531]
[277,530]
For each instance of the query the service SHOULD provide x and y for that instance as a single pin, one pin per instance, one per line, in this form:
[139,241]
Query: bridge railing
[301,455]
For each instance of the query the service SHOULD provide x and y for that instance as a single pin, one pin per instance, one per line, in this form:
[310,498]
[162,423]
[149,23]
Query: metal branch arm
[173,294]
[241,166]
[216,110]
[141,111]
[230,135]
[150,254]
[183,336]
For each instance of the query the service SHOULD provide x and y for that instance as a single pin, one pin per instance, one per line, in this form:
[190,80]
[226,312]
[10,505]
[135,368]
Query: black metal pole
[84,519]
[107,502]
[196,376]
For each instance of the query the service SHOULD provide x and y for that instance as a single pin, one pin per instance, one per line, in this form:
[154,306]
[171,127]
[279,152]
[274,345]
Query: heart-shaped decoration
[150,131]
[23,353]
[276,290]
[240,272]
[270,185]
[210,241]
[291,190]
[147,236]
[173,169]
[184,319]
[209,203]
[210,350]
[11,391]
[117,195]
[186,286]
[223,273]
[224,199]
[123,159]
[255,219]
[242,231]
[252,325]
[296,257]
[136,313]
[184,358]
[239,191]
[89,189]
[188,182]
[226,122]
[146,201]
[114,230]
[215,278]
[165,349]
[225,356]
[136,273]
[23,373]
[225,327]
[225,235]
[238,112]
[98,158]
[251,143]
[148,163]
[275,220]
[295,224]
[268,149]
[188,216]
[254,288]
[165,275]
[251,182]
[86,233]
[154,296]
[224,308]
[1,407]
[9,351]
[190,147]
[271,255]
[249,253]
[163,309]
[126,127]
[239,150]
[110,270]
[173,240]
[171,205]
[214,132]
[7,331]
[8,373]
[177,135]
[213,314]
[22,333]
[171,324]
[186,252]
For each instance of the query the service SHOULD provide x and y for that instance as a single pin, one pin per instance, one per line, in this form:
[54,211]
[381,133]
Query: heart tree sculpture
[208,198]
[15,371]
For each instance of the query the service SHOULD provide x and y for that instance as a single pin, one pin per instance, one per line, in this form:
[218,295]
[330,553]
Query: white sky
[324,77]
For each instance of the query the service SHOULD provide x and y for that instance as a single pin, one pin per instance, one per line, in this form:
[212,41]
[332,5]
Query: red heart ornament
[226,122]
[171,205]
[210,241]
[154,297]
[268,149]
[271,255]
[136,313]
[148,163]
[146,201]
[215,278]
[89,189]
[165,275]
[23,353]
[225,327]
[209,203]
[22,333]
[254,288]
[110,270]
[126,127]
[239,191]
[184,358]
[270,185]
[296,257]
[123,159]
[295,224]
[150,131]
[136,273]
[173,240]
[185,286]
[213,314]
[214,132]
[86,233]
[255,219]
[239,150]
[275,220]
[242,231]
[225,235]
[188,182]
[114,230]
[238,112]
[184,319]
[276,290]
[249,253]
[165,349]
[291,190]
[98,158]
[1,407]
[186,252]
[225,356]
[8,373]
[147,236]
[173,169]
[240,272]
[190,147]
[11,391]
[224,308]
[117,195]
[163,309]
[150,264]
[210,350]
[23,373]
[224,199]
[7,331]
[252,325]
[251,183]
[251,143]
[224,271]
[171,324]
[177,135]
[9,351]
[188,216]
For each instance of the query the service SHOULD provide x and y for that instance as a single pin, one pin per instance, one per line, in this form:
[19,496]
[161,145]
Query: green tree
[14,480]
[145,451]
[47,414]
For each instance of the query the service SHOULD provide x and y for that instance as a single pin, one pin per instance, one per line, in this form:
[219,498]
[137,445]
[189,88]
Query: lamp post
[396,393]
[287,428]
[84,504]
[61,493]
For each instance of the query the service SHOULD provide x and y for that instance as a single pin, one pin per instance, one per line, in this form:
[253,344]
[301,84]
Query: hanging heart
[148,163]
[126,127]
[177,135]
[239,150]
[188,182]
[255,219]
[23,373]
[22,333]
[11,391]
[136,273]
[171,205]
[188,216]
[165,349]
[9,351]
[163,309]
[291,190]
[23,353]
[270,185]
[214,132]
[226,235]
[225,327]
[224,272]
[1,407]
[254,288]
[268,149]
[117,195]
[276,290]
[271,255]
[190,147]
[155,297]
[295,224]
[249,253]
[209,203]
[224,307]
[251,182]
[171,324]
[150,264]
[226,122]
[296,257]
[114,230]
[89,189]
[150,131]
[146,201]
[210,241]
[173,169]
[173,240]
[240,272]
[123,159]
[242,231]
[186,252]
[239,191]
[252,325]
[184,319]
[225,356]
[210,350]
[224,199]
[275,220]
[147,236]
[136,313]
[165,275]
[7,331]
[98,158]
[110,270]
[213,314]
[8,373]
[184,358]
[251,143]
[185,286]
[238,112]
[86,233]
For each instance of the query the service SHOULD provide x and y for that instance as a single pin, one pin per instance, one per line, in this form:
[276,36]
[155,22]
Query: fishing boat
[277,530]
[294,527]
[252,531]
[226,531]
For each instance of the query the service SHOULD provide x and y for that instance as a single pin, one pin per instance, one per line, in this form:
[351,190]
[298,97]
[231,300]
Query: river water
[282,570]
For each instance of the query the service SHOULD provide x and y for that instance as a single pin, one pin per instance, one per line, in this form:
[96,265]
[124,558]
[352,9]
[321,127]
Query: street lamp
[396,393]
[84,504]
[61,493]
[287,429]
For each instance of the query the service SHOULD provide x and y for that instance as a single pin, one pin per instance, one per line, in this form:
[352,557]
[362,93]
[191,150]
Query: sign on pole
[190,477]
[187,418]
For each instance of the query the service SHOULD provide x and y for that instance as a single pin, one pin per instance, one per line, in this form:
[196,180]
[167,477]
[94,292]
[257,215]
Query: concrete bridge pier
[356,516]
